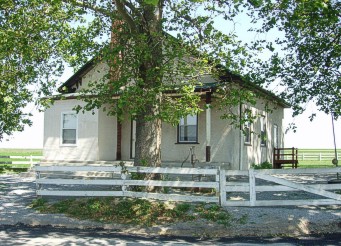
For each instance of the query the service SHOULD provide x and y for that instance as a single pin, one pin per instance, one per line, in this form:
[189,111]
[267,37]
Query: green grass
[137,211]
[315,164]
[21,152]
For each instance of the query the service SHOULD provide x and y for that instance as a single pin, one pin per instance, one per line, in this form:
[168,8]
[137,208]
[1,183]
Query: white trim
[275,136]
[208,125]
[61,129]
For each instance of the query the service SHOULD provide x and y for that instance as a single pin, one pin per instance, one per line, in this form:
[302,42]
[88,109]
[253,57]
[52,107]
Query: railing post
[124,177]
[222,187]
[252,187]
[38,186]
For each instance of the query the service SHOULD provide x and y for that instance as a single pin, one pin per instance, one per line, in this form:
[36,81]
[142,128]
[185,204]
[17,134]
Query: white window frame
[263,137]
[196,130]
[62,128]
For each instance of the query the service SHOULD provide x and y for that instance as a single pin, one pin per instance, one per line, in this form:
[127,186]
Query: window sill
[187,143]
[247,144]
[68,145]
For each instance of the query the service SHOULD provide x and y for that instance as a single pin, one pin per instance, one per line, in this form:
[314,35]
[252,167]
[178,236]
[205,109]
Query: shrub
[263,165]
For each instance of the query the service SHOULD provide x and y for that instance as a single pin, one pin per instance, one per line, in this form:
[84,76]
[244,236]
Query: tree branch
[126,16]
[89,6]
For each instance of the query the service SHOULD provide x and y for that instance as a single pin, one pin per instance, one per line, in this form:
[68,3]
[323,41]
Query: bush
[263,165]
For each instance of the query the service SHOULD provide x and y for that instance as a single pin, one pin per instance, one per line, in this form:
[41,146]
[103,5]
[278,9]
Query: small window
[247,130]
[69,128]
[188,129]
[262,131]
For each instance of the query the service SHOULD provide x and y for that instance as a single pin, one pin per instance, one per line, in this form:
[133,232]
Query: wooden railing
[284,156]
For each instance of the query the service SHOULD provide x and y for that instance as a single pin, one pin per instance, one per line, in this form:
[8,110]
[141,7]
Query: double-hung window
[69,128]
[262,131]
[188,129]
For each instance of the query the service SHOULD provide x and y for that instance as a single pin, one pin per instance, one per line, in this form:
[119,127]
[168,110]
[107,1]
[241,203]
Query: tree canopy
[153,46]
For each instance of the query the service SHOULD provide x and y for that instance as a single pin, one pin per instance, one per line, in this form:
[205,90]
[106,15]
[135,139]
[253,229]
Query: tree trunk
[148,123]
[148,140]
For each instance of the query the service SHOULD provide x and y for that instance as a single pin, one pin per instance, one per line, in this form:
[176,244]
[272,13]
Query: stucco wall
[86,148]
[107,136]
[226,140]
[97,138]
[94,75]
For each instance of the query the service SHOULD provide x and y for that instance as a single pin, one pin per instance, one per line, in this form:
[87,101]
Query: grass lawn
[315,164]
[21,152]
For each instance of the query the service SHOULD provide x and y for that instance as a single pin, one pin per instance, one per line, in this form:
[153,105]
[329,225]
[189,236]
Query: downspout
[119,141]
[241,138]
[208,126]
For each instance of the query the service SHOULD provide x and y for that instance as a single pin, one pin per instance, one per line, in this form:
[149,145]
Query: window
[69,128]
[275,136]
[262,131]
[247,130]
[188,129]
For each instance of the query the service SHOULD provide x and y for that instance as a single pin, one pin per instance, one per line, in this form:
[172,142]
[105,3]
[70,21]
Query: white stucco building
[94,136]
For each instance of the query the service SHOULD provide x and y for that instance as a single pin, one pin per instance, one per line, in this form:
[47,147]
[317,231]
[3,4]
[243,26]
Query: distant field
[21,152]
[317,158]
[17,164]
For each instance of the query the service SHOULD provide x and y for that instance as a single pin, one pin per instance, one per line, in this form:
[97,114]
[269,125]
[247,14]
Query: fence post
[222,186]
[252,187]
[31,161]
[38,186]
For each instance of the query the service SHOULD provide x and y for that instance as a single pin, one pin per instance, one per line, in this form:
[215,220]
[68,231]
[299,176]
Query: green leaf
[152,2]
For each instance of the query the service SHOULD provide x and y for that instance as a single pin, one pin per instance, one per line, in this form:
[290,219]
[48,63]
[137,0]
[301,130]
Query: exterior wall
[86,148]
[107,136]
[94,75]
[226,140]
[254,152]
[97,138]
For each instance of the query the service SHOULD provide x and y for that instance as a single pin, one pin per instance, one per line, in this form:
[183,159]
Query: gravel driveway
[17,192]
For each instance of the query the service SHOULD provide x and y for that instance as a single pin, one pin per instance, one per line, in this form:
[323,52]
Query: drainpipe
[241,137]
[119,141]
[208,126]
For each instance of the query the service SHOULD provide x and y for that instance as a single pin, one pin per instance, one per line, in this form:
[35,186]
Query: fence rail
[118,181]
[24,160]
[317,156]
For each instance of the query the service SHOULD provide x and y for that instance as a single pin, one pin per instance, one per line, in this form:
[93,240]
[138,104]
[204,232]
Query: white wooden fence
[227,184]
[24,160]
[317,156]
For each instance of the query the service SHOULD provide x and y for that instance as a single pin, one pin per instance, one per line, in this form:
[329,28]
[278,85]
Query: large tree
[161,48]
